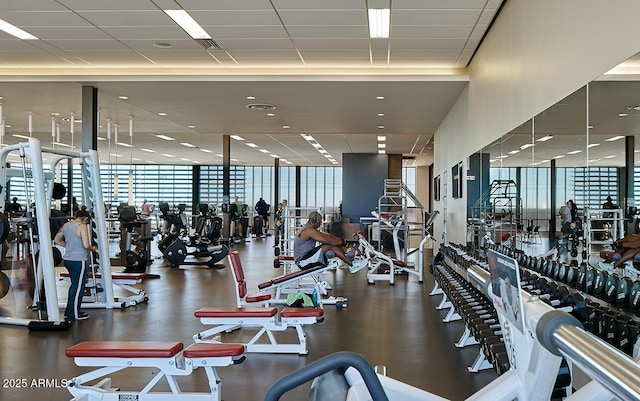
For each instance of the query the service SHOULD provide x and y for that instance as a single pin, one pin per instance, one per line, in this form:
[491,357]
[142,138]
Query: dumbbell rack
[604,386]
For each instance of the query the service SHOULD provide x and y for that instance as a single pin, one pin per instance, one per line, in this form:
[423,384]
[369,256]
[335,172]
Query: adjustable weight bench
[170,358]
[126,281]
[266,319]
[282,285]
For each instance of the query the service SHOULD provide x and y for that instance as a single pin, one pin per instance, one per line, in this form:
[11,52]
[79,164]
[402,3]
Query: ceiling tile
[71,45]
[247,32]
[246,5]
[431,31]
[254,44]
[328,44]
[335,54]
[177,46]
[40,18]
[418,44]
[31,5]
[324,17]
[256,55]
[438,4]
[329,32]
[127,18]
[112,5]
[75,32]
[318,5]
[154,33]
[434,17]
[233,17]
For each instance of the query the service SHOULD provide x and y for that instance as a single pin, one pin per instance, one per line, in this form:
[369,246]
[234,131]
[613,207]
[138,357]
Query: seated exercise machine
[267,320]
[170,358]
[537,338]
[382,267]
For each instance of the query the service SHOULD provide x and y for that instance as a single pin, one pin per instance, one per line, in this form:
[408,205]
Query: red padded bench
[266,320]
[170,357]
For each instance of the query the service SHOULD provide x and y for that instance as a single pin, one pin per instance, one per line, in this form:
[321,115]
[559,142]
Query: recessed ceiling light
[110,154]
[380,126]
[123,97]
[186,22]
[380,114]
[162,114]
[381,151]
[382,145]
[590,126]
[185,159]
[251,97]
[148,150]
[252,145]
[237,138]
[380,97]
[101,138]
[526,145]
[206,150]
[382,137]
[162,45]
[187,144]
[78,121]
[234,160]
[609,157]
[591,145]
[379,22]
[574,152]
[165,137]
[167,155]
[270,114]
[614,138]
[55,114]
[15,31]
[264,151]
[126,145]
[622,114]
[559,157]
[20,136]
[275,156]
[545,138]
[191,126]
[286,127]
[513,152]
[219,155]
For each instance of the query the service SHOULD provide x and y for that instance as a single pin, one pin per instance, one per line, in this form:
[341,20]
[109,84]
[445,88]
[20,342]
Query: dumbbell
[627,337]
[588,280]
[599,280]
[622,292]
[570,277]
[611,288]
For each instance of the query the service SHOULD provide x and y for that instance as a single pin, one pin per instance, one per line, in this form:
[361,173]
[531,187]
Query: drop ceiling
[312,60]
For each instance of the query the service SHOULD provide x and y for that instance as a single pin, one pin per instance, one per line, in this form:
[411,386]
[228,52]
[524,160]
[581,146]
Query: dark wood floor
[397,326]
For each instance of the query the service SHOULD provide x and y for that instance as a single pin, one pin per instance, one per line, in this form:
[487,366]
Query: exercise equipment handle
[617,374]
[337,360]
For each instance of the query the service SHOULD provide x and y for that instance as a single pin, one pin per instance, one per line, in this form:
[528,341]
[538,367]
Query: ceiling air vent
[208,43]
[260,107]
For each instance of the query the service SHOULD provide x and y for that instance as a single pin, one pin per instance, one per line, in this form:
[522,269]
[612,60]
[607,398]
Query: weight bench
[126,281]
[266,319]
[283,285]
[168,357]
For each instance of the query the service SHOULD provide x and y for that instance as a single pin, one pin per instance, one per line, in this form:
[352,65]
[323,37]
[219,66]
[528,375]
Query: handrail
[338,360]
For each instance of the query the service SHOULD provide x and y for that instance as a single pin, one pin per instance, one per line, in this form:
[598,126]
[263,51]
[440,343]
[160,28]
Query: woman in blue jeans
[74,236]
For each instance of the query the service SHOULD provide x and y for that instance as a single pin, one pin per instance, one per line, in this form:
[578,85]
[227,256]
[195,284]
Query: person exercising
[312,247]
[74,236]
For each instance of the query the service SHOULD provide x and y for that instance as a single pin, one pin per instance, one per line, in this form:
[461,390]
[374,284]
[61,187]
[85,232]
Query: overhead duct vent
[208,44]
[260,107]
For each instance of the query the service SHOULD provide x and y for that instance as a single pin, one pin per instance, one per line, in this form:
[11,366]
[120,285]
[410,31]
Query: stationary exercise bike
[203,244]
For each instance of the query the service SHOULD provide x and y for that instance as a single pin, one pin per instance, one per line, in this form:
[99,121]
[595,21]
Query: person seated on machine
[312,248]
[626,248]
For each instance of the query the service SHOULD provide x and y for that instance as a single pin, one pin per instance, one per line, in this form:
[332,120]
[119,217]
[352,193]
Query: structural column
[629,168]
[226,185]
